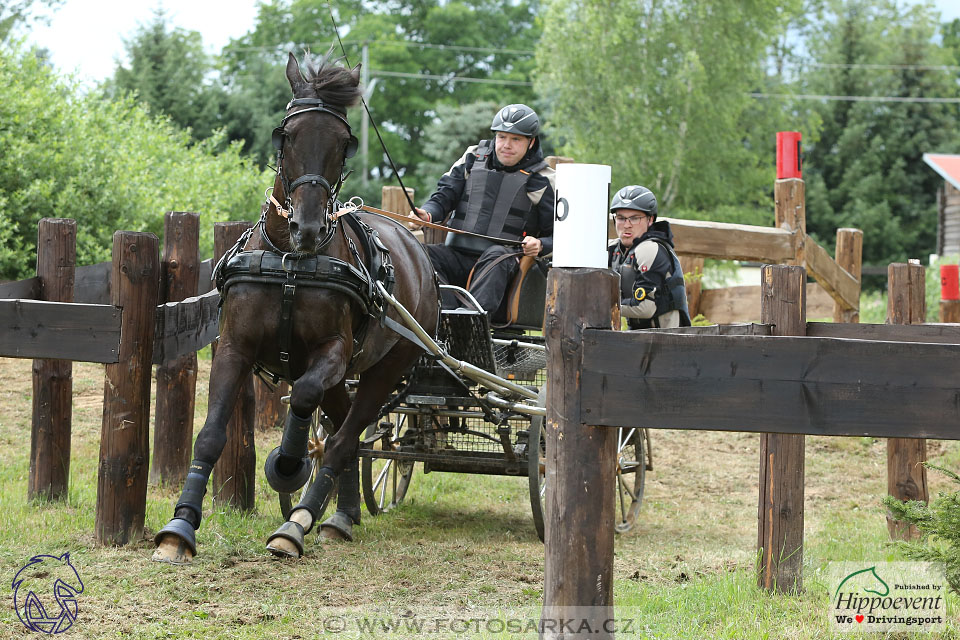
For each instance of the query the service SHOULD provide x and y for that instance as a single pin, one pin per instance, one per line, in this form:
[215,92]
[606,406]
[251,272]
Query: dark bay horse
[296,302]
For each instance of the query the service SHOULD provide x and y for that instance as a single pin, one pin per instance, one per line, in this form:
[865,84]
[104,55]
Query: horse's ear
[293,73]
[355,74]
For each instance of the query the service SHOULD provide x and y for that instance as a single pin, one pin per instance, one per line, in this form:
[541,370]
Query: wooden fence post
[235,472]
[270,409]
[176,380]
[53,379]
[393,200]
[791,213]
[780,531]
[125,432]
[693,281]
[850,258]
[581,460]
[906,475]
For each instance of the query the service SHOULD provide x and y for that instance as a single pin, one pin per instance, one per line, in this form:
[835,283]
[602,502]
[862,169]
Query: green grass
[459,546]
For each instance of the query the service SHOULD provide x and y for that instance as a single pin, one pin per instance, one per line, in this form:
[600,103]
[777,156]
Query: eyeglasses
[631,220]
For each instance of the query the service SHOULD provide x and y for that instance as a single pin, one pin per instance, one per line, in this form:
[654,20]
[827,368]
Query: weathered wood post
[850,258]
[780,517]
[692,281]
[393,200]
[235,472]
[580,459]
[949,293]
[176,380]
[125,433]
[906,475]
[53,379]
[270,409]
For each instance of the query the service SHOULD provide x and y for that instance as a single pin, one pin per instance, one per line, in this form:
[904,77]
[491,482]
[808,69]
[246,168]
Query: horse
[301,302]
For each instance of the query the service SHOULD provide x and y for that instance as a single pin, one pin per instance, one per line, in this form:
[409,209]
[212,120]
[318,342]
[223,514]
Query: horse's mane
[333,84]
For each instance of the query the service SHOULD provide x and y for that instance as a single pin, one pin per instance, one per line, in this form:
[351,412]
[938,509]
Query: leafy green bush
[110,165]
[939,525]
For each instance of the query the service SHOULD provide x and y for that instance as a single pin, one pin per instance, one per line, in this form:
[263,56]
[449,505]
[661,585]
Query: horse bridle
[279,137]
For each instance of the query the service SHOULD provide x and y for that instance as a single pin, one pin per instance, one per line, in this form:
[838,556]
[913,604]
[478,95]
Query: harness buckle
[284,356]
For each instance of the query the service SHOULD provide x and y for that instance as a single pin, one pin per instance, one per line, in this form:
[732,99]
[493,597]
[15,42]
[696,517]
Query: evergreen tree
[169,71]
[866,170]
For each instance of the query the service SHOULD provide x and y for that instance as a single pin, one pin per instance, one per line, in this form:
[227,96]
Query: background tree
[867,171]
[415,51]
[660,92]
[15,14]
[169,71]
[455,128]
[109,164]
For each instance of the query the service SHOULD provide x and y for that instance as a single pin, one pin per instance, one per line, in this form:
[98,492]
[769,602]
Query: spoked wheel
[385,481]
[318,435]
[536,467]
[631,473]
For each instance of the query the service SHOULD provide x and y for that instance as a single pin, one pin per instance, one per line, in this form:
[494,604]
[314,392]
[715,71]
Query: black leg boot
[188,513]
[348,505]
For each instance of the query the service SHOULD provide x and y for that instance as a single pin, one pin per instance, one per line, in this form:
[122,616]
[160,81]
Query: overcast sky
[87,35]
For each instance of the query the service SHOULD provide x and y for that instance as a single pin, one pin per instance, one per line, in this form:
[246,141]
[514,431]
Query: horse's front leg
[176,542]
[326,372]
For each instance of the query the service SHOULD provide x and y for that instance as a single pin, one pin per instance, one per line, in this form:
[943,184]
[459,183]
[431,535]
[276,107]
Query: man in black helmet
[500,188]
[651,278]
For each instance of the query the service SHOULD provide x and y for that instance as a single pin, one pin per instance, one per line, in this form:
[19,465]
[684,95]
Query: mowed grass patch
[459,545]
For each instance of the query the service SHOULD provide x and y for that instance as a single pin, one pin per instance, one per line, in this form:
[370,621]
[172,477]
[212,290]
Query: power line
[427,76]
[400,43]
[882,67]
[806,96]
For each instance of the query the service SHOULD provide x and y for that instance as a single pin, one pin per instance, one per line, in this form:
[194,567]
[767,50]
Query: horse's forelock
[332,83]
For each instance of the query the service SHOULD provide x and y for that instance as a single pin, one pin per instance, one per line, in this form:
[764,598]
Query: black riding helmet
[635,197]
[517,118]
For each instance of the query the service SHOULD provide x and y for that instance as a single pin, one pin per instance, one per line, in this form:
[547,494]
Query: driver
[501,188]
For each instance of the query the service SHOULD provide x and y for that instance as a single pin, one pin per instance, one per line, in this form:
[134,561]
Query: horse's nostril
[293,226]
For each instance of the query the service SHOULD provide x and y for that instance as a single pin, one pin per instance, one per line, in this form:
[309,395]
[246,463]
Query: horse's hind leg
[339,526]
[176,542]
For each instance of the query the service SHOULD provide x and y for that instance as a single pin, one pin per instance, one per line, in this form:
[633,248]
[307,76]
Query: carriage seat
[525,299]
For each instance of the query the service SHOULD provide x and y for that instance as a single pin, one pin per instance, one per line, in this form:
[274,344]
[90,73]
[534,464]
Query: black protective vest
[495,203]
[674,298]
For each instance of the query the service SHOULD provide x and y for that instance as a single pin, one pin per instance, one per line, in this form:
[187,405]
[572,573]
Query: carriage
[459,409]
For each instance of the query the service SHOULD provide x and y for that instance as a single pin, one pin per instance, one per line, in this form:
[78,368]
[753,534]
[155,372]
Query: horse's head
[313,143]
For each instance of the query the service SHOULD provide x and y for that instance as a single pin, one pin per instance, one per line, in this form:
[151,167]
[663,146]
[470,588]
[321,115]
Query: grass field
[460,557]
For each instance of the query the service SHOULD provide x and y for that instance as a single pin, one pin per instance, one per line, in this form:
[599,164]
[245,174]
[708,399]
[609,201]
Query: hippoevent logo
[45,593]
[886,596]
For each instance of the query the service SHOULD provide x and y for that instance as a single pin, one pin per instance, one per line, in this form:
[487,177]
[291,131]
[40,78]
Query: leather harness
[292,271]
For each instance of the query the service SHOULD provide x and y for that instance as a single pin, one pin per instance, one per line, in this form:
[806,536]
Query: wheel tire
[384,481]
[631,474]
[316,457]
[536,467]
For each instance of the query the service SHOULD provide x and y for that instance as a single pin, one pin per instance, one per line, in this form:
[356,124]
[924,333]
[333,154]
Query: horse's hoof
[339,526]
[173,550]
[287,541]
[176,542]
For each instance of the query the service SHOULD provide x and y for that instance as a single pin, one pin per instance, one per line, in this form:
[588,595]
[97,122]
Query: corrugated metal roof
[946,165]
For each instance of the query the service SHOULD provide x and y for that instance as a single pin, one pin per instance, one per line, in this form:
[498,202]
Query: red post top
[789,156]
[949,282]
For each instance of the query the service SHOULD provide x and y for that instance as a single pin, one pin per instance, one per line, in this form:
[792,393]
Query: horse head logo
[45,593]
[868,580]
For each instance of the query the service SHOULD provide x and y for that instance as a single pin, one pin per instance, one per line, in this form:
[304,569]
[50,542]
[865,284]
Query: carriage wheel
[631,474]
[536,467]
[315,451]
[385,481]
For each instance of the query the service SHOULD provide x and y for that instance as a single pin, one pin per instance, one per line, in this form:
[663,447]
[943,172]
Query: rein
[349,207]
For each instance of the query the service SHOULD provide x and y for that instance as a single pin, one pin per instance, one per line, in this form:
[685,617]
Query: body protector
[651,280]
[494,203]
